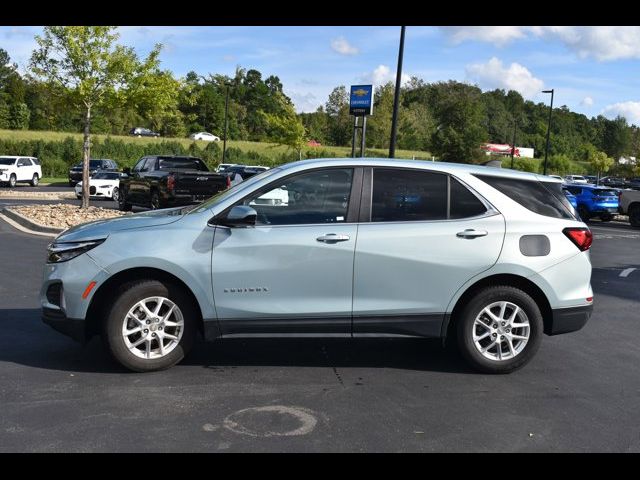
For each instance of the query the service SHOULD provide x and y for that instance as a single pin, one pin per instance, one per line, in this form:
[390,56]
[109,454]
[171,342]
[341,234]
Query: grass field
[263,148]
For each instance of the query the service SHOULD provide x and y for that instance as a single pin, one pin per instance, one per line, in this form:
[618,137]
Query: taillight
[171,182]
[581,237]
[228,181]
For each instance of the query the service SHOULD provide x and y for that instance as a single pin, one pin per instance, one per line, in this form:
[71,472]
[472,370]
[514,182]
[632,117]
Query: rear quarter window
[543,198]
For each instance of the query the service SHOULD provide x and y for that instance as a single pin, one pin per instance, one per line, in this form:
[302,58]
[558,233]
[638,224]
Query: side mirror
[239,216]
[126,171]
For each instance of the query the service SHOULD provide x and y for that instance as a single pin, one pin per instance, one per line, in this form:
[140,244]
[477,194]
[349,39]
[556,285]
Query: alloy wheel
[501,331]
[153,327]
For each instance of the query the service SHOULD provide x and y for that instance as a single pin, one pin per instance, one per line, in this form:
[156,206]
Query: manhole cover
[271,421]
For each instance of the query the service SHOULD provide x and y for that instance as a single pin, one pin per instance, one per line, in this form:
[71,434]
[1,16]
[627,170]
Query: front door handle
[333,238]
[471,233]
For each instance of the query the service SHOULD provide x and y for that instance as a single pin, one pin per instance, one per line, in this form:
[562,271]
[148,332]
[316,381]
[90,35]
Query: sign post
[360,105]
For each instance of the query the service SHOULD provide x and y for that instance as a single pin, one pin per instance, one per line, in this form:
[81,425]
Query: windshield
[107,176]
[220,196]
[186,163]
[7,161]
[604,192]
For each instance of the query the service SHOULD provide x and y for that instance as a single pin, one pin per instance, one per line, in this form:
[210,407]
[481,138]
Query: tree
[459,112]
[600,162]
[86,62]
[286,128]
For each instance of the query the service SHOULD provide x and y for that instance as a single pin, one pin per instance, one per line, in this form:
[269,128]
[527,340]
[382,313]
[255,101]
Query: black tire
[465,326]
[35,180]
[155,200]
[72,184]
[128,295]
[13,180]
[606,217]
[122,202]
[584,213]
[115,194]
[79,197]
[634,216]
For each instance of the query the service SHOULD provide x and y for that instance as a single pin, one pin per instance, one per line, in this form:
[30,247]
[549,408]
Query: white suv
[14,169]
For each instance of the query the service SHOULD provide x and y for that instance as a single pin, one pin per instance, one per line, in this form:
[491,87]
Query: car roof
[446,167]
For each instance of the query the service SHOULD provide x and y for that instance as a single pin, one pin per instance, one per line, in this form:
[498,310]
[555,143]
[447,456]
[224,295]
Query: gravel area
[63,215]
[8,193]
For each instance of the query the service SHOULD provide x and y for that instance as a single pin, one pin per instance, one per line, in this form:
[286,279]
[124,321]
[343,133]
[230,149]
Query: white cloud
[382,74]
[629,110]
[343,47]
[494,74]
[304,102]
[587,102]
[499,35]
[604,43]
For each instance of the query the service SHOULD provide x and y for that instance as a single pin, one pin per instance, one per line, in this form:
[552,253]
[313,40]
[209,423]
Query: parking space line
[626,272]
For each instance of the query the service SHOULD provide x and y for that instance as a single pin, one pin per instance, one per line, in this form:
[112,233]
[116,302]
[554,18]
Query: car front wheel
[122,202]
[584,213]
[12,180]
[115,194]
[499,330]
[151,326]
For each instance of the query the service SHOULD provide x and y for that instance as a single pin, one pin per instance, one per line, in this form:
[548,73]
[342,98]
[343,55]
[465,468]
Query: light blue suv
[487,258]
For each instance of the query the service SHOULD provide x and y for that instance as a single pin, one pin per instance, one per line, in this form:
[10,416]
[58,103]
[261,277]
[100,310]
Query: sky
[593,70]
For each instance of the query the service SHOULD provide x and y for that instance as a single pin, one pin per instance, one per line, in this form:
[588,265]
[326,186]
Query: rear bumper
[70,327]
[565,320]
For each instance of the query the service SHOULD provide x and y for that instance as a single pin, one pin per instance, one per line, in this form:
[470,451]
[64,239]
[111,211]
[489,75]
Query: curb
[29,224]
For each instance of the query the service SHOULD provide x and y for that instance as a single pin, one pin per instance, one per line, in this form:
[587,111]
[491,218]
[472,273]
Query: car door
[292,273]
[135,180]
[423,235]
[24,170]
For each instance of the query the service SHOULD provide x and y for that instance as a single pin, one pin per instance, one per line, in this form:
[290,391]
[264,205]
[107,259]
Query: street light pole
[513,145]
[226,113]
[546,152]
[396,98]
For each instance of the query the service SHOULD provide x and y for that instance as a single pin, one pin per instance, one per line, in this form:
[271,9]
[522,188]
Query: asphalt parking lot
[581,392]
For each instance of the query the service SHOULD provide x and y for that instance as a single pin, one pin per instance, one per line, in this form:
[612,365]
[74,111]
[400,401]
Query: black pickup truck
[161,181]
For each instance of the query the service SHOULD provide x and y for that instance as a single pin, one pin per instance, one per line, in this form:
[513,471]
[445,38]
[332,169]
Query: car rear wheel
[122,202]
[634,215]
[155,200]
[584,213]
[499,330]
[35,180]
[151,326]
[12,180]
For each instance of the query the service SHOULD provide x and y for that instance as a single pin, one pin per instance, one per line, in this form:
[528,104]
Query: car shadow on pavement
[397,353]
[27,341]
[607,281]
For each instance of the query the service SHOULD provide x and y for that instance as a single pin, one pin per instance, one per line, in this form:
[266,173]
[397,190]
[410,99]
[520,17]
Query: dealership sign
[361,100]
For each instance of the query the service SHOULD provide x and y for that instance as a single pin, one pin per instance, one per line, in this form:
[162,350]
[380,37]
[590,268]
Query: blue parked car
[595,201]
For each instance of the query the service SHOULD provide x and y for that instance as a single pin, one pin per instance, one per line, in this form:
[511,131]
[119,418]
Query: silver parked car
[484,257]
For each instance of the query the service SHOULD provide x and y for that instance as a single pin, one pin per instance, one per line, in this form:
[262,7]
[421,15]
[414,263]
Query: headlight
[61,252]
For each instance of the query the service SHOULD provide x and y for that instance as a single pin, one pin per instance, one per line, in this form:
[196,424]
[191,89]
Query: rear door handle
[333,238]
[471,233]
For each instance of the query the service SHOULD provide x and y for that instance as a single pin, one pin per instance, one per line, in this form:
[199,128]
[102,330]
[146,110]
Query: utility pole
[394,120]
[546,152]
[226,114]
[513,144]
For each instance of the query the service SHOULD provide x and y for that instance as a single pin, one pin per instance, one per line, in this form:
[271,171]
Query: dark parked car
[143,132]
[614,182]
[161,181]
[634,183]
[244,171]
[95,165]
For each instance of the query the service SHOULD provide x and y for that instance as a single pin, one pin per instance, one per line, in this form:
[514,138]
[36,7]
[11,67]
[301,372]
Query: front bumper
[71,327]
[565,320]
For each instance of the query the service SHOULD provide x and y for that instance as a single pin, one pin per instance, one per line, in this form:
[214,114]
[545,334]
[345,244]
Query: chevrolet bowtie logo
[361,92]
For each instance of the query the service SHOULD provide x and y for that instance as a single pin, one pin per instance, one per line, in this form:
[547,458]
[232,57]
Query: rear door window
[543,198]
[408,195]
[463,203]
